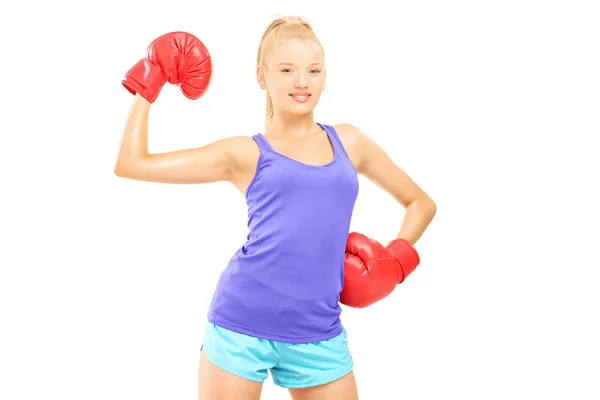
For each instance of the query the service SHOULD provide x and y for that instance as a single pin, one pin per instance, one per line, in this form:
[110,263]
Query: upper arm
[377,166]
[213,162]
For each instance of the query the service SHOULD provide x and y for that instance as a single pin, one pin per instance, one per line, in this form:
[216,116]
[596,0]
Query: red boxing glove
[178,58]
[372,271]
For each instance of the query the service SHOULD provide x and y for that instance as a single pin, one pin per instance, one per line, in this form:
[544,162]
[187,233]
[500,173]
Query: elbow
[124,170]
[431,207]
[136,170]
[120,171]
[432,210]
[426,207]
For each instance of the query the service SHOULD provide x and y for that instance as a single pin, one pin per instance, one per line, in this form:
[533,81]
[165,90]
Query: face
[294,76]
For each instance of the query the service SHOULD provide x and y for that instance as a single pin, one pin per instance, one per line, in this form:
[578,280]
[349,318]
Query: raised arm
[210,163]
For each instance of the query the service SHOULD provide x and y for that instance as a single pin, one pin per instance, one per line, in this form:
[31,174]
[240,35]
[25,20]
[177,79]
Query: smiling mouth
[300,97]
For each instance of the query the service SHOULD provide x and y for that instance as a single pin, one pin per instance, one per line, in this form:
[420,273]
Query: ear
[260,77]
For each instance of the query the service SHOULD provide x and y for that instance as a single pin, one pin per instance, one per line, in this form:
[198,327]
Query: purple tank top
[284,283]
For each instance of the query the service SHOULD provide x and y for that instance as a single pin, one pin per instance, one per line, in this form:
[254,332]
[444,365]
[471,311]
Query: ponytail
[270,111]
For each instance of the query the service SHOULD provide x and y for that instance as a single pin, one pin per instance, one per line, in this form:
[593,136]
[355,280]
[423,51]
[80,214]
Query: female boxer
[276,306]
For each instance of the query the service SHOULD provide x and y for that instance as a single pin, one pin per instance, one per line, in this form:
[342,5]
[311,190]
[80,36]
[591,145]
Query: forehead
[296,51]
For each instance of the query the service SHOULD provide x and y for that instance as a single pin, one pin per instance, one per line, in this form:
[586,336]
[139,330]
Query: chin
[300,112]
[301,109]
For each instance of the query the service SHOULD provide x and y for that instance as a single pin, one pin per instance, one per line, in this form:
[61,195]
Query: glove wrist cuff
[146,79]
[406,255]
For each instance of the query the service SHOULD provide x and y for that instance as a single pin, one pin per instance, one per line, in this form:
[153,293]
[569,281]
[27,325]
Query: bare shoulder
[237,145]
[243,153]
[354,141]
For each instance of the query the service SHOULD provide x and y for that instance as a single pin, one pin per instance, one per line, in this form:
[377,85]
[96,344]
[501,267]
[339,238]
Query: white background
[492,107]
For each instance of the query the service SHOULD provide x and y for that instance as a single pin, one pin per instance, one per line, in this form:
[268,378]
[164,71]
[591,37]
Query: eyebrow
[292,64]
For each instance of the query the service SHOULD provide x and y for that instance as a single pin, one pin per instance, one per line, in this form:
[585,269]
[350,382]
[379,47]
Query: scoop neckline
[335,152]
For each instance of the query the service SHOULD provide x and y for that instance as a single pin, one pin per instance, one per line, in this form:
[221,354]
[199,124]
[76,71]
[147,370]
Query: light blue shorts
[291,365]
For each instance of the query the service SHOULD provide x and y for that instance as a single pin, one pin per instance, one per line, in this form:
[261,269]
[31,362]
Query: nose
[300,81]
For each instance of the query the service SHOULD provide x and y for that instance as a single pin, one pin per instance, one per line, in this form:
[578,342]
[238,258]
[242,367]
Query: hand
[372,271]
[178,58]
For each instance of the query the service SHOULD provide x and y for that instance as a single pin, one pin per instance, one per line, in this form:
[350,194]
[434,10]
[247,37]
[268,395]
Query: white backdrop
[492,107]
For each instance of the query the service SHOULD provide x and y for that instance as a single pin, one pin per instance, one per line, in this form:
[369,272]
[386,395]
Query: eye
[316,71]
[286,70]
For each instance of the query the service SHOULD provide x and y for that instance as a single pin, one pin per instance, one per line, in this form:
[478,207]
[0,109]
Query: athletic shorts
[291,365]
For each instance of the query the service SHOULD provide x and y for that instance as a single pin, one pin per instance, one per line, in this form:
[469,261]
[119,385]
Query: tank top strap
[262,143]
[335,140]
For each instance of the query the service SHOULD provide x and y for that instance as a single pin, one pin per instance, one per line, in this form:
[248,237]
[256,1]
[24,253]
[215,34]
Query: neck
[291,126]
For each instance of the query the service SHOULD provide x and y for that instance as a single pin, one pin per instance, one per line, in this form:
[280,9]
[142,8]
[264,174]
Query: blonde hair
[282,28]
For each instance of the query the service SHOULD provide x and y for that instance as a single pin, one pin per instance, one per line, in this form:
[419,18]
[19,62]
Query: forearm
[134,143]
[417,218]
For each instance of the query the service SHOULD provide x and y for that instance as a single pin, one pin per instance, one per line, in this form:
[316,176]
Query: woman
[276,306]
